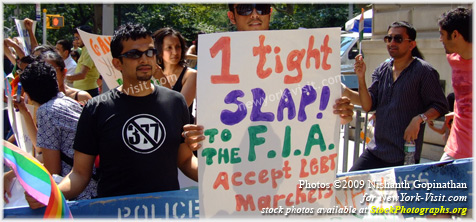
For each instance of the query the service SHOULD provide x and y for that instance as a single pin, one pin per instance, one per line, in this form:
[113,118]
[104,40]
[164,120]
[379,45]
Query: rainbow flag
[37,181]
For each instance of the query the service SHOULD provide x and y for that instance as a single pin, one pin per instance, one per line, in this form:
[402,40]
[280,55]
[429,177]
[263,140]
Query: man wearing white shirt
[64,49]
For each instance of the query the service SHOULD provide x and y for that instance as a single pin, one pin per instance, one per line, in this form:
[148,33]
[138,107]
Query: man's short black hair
[84,28]
[39,81]
[459,19]
[411,31]
[27,59]
[67,45]
[124,33]
[231,7]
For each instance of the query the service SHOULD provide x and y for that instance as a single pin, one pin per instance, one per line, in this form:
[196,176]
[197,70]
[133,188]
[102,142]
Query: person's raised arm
[360,68]
[18,50]
[31,128]
[8,53]
[351,94]
[29,28]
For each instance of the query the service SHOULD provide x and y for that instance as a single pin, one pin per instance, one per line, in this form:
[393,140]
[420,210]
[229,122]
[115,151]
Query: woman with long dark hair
[171,49]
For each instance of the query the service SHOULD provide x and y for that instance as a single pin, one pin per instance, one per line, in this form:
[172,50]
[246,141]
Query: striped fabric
[36,181]
[416,90]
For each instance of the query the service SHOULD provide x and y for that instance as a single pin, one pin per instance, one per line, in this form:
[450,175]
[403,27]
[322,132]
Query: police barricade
[431,186]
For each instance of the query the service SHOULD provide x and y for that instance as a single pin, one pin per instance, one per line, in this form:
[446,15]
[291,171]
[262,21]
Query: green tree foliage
[293,16]
[74,16]
[189,19]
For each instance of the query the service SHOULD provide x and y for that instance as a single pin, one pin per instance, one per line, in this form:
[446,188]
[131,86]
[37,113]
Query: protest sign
[18,124]
[24,36]
[265,99]
[99,48]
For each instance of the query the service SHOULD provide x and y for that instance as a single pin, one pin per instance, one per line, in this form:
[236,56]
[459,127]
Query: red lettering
[248,176]
[262,176]
[326,50]
[311,199]
[312,53]
[222,179]
[104,46]
[94,47]
[233,179]
[248,203]
[279,65]
[286,169]
[276,174]
[288,200]
[277,198]
[303,173]
[314,166]
[328,194]
[324,167]
[264,202]
[300,196]
[223,45]
[294,62]
[261,51]
[332,157]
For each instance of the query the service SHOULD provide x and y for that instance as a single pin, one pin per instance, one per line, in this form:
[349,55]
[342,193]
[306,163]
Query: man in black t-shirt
[135,128]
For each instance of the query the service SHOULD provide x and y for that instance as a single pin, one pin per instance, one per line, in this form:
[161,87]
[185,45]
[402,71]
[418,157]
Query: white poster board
[17,122]
[24,36]
[99,48]
[265,99]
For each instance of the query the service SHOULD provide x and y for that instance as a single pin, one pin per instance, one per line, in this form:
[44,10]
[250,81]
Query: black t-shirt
[137,139]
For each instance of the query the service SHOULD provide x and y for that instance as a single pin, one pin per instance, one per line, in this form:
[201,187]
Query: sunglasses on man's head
[135,54]
[396,38]
[247,9]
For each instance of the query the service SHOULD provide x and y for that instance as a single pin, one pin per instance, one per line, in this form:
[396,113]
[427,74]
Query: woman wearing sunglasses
[171,49]
[250,17]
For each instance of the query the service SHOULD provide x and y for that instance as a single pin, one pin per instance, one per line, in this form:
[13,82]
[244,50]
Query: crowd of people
[78,140]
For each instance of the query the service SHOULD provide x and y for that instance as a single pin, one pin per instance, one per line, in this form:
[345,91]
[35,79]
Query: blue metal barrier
[185,204]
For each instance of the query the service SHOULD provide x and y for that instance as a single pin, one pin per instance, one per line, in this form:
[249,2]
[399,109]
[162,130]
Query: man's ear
[413,44]
[117,64]
[231,16]
[455,34]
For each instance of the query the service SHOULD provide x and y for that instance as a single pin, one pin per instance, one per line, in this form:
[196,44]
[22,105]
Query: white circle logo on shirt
[143,133]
